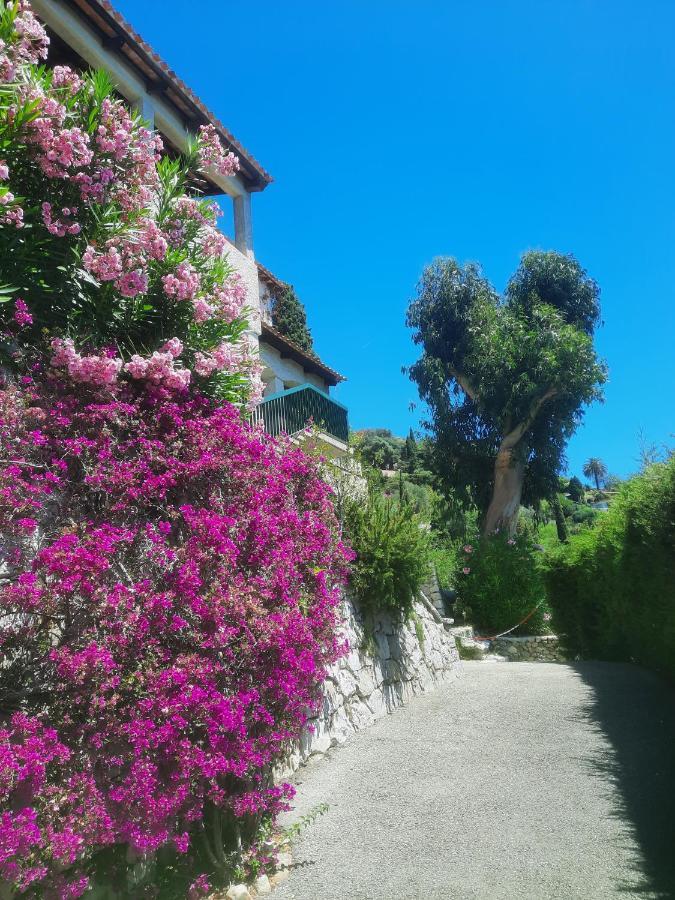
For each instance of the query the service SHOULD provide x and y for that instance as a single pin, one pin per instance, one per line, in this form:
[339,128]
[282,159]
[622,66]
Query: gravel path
[527,781]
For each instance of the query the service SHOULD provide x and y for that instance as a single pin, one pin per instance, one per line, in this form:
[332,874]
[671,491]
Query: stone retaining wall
[378,675]
[540,648]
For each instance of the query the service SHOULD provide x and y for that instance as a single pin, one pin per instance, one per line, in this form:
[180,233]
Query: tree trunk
[560,523]
[502,514]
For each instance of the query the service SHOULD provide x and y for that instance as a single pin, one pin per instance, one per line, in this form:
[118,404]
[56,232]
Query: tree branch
[464,383]
[510,439]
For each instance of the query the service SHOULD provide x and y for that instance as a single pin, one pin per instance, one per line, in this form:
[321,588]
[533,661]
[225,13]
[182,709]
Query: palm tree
[595,469]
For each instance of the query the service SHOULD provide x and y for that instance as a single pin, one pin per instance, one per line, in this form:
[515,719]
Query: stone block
[382,643]
[263,886]
[238,892]
[365,684]
[359,714]
[376,703]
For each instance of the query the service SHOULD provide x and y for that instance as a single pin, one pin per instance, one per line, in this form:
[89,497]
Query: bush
[167,614]
[500,582]
[392,555]
[107,257]
[444,559]
[612,589]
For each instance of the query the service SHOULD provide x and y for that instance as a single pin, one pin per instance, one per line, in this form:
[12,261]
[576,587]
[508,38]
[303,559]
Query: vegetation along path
[519,781]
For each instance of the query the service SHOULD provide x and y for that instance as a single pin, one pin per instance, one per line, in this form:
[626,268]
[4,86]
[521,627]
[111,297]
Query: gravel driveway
[518,781]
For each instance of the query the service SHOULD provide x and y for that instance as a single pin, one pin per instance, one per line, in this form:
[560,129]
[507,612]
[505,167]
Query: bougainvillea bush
[167,610]
[98,234]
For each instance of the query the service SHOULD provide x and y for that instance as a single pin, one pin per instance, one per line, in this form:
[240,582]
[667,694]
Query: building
[92,34]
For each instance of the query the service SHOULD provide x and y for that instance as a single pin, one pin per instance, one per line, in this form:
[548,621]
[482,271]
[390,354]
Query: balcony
[289,412]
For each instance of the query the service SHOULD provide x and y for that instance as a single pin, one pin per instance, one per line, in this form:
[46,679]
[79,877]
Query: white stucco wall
[248,272]
[284,373]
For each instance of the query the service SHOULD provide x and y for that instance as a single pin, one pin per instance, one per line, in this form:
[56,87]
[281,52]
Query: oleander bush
[99,237]
[612,588]
[499,582]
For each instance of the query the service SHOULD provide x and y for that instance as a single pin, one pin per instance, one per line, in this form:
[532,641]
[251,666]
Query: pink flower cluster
[93,369]
[123,263]
[11,212]
[182,284]
[168,636]
[27,44]
[160,368]
[64,224]
[22,315]
[212,154]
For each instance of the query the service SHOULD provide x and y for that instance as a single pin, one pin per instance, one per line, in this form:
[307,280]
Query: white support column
[146,109]
[243,225]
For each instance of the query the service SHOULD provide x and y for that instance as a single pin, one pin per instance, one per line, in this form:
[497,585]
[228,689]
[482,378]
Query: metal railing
[290,411]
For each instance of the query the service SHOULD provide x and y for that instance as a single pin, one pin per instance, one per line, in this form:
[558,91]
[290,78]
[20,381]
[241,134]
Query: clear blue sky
[398,131]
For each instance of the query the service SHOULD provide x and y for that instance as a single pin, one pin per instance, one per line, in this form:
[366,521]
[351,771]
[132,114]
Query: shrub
[168,611]
[612,589]
[98,238]
[392,555]
[500,581]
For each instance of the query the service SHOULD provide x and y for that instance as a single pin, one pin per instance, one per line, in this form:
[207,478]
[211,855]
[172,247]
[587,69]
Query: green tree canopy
[289,317]
[575,489]
[506,378]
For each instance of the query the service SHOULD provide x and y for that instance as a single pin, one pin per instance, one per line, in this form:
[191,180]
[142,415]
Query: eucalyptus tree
[506,378]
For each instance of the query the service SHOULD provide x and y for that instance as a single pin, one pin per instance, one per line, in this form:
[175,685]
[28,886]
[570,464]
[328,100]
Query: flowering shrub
[98,235]
[167,611]
[499,582]
[168,577]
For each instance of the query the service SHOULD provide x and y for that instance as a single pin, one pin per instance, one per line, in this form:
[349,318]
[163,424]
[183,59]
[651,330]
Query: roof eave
[255,177]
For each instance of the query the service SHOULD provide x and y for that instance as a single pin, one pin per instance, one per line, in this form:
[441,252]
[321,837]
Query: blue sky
[400,131]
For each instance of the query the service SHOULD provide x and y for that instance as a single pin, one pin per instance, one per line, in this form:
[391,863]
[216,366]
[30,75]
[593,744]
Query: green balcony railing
[290,411]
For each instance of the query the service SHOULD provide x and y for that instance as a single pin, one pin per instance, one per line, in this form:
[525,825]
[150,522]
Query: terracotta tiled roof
[159,77]
[271,278]
[308,361]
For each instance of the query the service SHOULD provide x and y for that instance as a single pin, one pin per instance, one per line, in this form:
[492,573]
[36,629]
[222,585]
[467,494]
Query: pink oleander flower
[65,77]
[182,284]
[4,170]
[106,266]
[159,368]
[467,548]
[212,153]
[132,283]
[22,315]
[202,310]
[62,225]
[93,369]
[466,570]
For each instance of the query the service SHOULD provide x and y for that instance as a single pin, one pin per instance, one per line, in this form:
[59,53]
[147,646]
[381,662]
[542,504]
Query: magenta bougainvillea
[167,612]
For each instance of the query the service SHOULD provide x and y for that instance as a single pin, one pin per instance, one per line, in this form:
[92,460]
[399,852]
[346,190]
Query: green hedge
[612,588]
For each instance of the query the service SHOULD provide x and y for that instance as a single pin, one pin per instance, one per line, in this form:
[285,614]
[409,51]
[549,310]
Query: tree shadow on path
[635,710]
